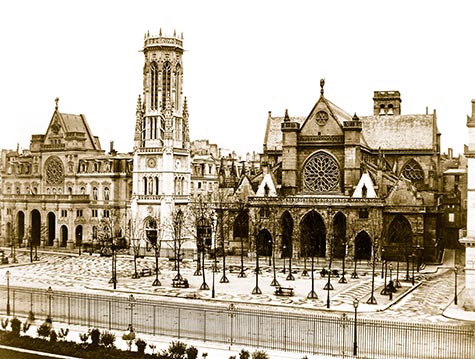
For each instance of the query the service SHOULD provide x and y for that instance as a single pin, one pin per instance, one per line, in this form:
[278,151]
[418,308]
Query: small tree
[95,335]
[177,350]
[260,354]
[107,339]
[191,352]
[244,354]
[16,326]
[141,345]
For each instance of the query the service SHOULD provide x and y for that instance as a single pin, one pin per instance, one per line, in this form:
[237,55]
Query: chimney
[111,150]
[450,153]
[473,109]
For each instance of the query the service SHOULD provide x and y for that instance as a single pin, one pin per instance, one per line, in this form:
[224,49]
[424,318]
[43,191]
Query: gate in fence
[240,326]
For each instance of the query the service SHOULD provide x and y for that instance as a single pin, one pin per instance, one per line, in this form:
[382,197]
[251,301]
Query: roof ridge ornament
[56,100]
[322,84]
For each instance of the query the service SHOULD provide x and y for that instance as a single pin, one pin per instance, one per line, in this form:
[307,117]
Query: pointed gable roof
[71,127]
[403,193]
[267,187]
[365,187]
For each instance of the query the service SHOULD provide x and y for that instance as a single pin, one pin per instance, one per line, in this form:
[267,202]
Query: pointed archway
[35,228]
[78,237]
[64,236]
[339,235]
[51,228]
[241,230]
[287,228]
[20,227]
[363,246]
[400,239]
[312,235]
[264,243]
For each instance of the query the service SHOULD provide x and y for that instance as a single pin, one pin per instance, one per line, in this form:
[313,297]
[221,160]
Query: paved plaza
[427,300]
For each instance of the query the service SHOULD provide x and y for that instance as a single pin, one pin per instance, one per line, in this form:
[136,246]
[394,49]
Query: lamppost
[455,292]
[7,275]
[290,276]
[213,234]
[355,342]
[397,284]
[354,275]
[372,299]
[223,279]
[328,287]
[313,294]
[132,301]
[232,313]
[284,247]
[344,323]
[257,290]
[201,233]
[413,256]
[274,282]
[343,279]
[49,292]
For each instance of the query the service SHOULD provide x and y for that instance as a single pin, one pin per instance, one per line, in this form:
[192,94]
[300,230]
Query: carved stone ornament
[54,171]
[321,173]
[321,117]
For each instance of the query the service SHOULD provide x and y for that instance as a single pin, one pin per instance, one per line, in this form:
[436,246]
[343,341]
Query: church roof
[401,132]
[273,135]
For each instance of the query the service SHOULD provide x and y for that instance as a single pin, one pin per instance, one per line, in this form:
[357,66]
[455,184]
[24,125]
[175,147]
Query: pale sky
[242,59]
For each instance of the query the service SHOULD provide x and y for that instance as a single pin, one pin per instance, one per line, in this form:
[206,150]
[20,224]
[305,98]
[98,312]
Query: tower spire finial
[56,100]
[322,84]
[286,116]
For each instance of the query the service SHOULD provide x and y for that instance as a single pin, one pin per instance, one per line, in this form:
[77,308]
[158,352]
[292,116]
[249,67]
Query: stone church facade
[350,185]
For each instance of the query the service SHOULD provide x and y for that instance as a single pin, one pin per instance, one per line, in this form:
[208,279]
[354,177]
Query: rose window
[321,173]
[54,171]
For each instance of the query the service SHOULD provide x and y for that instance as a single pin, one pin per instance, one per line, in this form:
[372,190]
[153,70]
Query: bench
[180,283]
[334,273]
[284,292]
[145,272]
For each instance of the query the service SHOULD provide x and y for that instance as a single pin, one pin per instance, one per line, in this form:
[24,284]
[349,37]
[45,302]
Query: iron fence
[239,325]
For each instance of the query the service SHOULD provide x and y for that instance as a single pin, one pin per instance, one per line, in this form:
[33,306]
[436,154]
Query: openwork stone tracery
[321,173]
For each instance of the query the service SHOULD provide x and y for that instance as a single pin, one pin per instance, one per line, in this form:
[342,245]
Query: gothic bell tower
[162,170]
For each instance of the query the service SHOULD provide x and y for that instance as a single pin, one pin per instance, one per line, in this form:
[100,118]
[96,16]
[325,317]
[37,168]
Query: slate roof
[399,132]
[273,134]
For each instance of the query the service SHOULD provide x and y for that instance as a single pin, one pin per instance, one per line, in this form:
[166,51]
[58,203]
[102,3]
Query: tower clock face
[151,162]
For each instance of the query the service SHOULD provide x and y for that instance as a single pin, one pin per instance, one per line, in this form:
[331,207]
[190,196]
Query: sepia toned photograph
[237,179]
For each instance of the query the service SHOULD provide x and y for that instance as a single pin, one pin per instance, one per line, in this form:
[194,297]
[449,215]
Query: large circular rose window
[54,170]
[321,173]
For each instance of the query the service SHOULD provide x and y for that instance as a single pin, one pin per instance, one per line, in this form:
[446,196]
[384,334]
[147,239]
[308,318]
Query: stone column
[469,293]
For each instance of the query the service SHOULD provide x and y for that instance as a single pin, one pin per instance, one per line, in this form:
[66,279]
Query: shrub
[95,335]
[260,354]
[108,339]
[84,337]
[177,350]
[5,323]
[232,357]
[15,324]
[244,354]
[25,327]
[44,330]
[153,347]
[53,337]
[31,316]
[63,333]
[129,338]
[141,345]
[191,352]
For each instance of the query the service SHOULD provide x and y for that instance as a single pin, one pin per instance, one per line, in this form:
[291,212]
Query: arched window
[156,186]
[145,185]
[94,193]
[106,193]
[166,82]
[154,76]
[177,86]
[413,171]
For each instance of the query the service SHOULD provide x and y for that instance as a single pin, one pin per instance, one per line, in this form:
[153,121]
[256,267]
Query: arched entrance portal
[20,227]
[64,236]
[287,228]
[264,243]
[35,228]
[78,240]
[400,239]
[51,228]
[339,235]
[241,230]
[312,235]
[363,246]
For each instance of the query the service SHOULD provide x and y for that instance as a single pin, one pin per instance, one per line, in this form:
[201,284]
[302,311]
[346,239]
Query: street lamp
[372,299]
[283,255]
[257,290]
[312,294]
[355,342]
[132,301]
[49,292]
[413,256]
[213,234]
[290,276]
[455,292]
[7,275]
[343,279]
[274,282]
